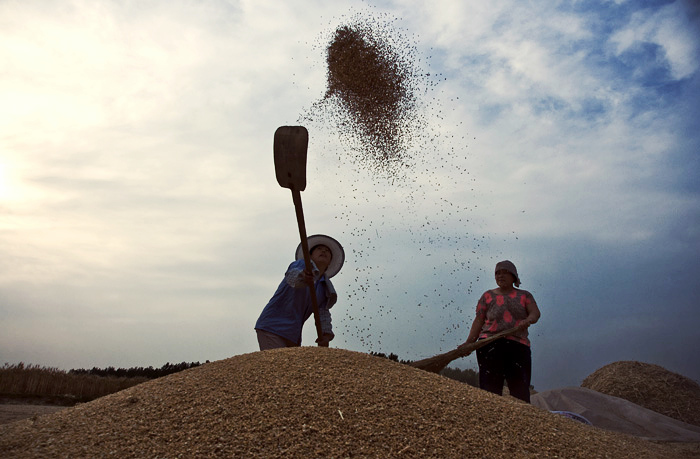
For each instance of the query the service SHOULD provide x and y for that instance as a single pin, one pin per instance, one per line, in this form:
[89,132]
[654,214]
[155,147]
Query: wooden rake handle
[464,351]
[440,361]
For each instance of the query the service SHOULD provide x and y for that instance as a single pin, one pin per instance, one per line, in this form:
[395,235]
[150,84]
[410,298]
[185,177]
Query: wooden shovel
[290,146]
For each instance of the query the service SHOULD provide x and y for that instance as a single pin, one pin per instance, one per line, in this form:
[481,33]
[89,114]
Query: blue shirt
[290,306]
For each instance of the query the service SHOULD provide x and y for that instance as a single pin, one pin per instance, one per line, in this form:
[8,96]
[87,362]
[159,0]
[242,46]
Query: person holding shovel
[507,359]
[282,319]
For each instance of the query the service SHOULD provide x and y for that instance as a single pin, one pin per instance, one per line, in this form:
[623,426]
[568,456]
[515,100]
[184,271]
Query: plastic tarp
[617,414]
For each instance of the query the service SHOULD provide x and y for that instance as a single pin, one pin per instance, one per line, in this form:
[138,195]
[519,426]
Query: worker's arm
[533,314]
[477,325]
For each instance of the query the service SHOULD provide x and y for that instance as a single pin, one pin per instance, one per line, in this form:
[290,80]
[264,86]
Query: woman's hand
[309,279]
[324,339]
[525,323]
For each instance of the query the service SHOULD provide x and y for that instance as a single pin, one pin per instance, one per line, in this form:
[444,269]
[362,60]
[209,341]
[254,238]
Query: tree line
[136,372]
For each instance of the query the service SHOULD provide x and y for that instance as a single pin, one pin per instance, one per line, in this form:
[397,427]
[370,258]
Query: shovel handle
[296,197]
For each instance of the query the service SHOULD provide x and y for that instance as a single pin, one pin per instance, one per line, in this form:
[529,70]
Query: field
[54,386]
[30,390]
[11,412]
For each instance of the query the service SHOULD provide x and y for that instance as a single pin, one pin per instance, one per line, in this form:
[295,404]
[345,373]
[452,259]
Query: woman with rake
[507,359]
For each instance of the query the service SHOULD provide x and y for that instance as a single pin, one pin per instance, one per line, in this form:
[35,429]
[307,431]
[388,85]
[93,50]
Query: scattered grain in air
[395,146]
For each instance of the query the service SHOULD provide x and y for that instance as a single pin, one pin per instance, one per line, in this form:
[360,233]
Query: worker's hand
[309,279]
[466,343]
[324,340]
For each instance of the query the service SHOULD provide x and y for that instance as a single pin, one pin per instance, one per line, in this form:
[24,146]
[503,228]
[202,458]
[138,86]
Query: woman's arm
[477,325]
[533,313]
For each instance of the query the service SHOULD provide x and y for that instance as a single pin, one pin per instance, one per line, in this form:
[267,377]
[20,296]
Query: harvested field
[13,412]
[311,402]
[650,386]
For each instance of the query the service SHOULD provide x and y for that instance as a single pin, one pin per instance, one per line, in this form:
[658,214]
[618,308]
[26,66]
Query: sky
[141,222]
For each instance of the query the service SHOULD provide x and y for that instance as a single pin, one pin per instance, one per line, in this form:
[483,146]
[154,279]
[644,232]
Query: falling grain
[373,93]
[395,167]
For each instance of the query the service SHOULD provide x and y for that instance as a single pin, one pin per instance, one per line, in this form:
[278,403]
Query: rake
[439,362]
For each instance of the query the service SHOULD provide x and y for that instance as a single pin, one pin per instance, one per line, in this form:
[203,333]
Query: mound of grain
[310,402]
[650,386]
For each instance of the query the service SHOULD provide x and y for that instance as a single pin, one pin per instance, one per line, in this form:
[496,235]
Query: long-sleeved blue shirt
[290,306]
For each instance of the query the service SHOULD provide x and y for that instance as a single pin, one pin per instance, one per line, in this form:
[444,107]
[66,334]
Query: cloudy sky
[141,222]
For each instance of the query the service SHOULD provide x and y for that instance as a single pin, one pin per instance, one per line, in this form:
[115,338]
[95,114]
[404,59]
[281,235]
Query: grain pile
[310,402]
[650,386]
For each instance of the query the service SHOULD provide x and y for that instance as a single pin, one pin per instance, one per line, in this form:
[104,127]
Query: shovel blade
[290,145]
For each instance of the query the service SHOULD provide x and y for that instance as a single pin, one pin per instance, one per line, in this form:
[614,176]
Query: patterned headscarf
[510,267]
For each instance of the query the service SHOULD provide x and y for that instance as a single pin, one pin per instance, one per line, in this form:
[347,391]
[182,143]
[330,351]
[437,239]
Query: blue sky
[142,223]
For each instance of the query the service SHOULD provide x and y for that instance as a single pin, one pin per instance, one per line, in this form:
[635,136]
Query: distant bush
[138,372]
[33,381]
[391,356]
[467,376]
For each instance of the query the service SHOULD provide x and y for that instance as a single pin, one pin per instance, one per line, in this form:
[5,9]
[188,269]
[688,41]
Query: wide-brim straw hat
[337,252]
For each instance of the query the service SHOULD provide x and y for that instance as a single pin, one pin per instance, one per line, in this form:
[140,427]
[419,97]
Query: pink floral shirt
[501,312]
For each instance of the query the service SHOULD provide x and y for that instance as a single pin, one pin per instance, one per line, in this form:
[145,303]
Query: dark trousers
[509,361]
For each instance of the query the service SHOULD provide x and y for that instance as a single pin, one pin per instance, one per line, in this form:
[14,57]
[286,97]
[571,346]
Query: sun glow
[4,188]
[8,185]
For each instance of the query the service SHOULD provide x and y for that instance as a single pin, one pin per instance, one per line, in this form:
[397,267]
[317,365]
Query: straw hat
[337,252]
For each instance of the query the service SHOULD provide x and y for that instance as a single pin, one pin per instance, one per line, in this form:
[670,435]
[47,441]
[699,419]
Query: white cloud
[555,135]
[671,29]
